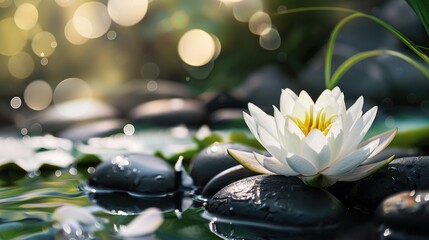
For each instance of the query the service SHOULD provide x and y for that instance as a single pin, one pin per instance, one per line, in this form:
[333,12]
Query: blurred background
[167,62]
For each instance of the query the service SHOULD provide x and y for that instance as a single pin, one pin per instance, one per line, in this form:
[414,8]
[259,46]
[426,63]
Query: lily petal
[385,139]
[353,113]
[315,148]
[250,122]
[77,213]
[301,165]
[364,171]
[263,120]
[275,165]
[248,161]
[292,139]
[145,223]
[270,144]
[287,101]
[352,160]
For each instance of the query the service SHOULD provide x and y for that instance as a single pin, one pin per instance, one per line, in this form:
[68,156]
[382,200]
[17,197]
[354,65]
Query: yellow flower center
[312,121]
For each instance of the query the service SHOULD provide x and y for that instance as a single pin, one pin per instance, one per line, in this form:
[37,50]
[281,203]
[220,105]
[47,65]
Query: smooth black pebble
[278,200]
[212,161]
[141,173]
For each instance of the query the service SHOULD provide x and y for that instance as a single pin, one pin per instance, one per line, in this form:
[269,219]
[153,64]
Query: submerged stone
[404,215]
[278,201]
[405,210]
[169,112]
[141,173]
[121,202]
[403,174]
[212,161]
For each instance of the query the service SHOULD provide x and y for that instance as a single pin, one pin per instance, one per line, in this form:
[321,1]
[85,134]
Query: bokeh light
[33,2]
[44,44]
[259,22]
[5,3]
[179,20]
[270,39]
[26,16]
[12,39]
[91,20]
[243,10]
[196,47]
[38,95]
[21,65]
[150,70]
[15,102]
[72,35]
[127,12]
[129,129]
[64,3]
[72,89]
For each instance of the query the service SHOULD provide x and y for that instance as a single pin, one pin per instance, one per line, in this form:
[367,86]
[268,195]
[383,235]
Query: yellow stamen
[314,121]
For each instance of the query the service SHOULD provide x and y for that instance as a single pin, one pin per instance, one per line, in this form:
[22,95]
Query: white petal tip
[144,224]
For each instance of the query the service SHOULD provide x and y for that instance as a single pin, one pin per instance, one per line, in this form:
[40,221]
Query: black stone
[137,92]
[229,117]
[83,132]
[141,173]
[263,87]
[217,100]
[52,120]
[225,178]
[212,161]
[405,210]
[403,174]
[278,200]
[367,78]
[169,112]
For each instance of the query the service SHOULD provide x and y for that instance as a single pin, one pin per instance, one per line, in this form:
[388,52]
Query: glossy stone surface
[83,132]
[403,174]
[213,160]
[404,216]
[141,173]
[225,178]
[278,200]
[405,210]
[169,112]
[140,91]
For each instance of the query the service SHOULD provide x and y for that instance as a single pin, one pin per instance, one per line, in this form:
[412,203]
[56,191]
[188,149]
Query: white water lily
[320,142]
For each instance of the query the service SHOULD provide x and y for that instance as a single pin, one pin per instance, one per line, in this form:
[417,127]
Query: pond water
[28,204]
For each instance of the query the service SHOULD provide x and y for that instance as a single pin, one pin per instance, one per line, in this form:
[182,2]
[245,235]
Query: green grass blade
[350,62]
[421,8]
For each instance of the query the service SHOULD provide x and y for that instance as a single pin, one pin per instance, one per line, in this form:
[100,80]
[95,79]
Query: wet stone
[141,173]
[403,174]
[169,112]
[278,200]
[407,210]
[218,100]
[225,178]
[370,74]
[138,92]
[64,115]
[265,81]
[227,117]
[117,202]
[84,131]
[212,161]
